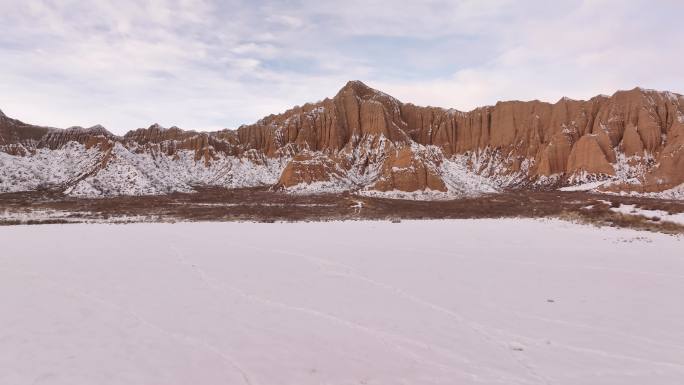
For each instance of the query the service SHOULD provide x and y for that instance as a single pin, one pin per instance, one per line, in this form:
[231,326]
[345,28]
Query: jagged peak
[360,89]
[644,91]
[97,129]
[2,114]
[100,129]
[356,84]
[635,92]
[159,127]
[75,128]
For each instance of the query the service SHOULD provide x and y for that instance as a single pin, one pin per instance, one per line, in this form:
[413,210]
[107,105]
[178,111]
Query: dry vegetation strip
[261,204]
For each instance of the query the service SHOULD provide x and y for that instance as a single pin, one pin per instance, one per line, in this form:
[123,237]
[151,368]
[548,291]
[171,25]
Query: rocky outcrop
[96,135]
[310,168]
[587,156]
[365,139]
[569,139]
[16,133]
[169,141]
[404,170]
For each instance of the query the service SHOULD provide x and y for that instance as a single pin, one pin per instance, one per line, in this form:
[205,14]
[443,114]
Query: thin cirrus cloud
[216,64]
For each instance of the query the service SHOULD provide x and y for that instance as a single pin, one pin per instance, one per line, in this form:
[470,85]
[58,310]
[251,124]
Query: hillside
[366,141]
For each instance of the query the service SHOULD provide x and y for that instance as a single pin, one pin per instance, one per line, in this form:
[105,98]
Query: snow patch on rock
[584,186]
[461,180]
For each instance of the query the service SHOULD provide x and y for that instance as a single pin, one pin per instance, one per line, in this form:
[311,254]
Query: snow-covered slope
[128,173]
[118,171]
[47,168]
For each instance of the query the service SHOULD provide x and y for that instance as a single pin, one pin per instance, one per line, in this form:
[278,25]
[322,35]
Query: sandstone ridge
[363,139]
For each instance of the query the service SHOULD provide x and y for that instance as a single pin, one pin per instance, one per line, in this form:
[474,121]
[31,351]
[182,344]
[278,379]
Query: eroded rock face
[15,132]
[669,171]
[588,156]
[309,168]
[404,170]
[206,146]
[363,138]
[564,139]
[92,136]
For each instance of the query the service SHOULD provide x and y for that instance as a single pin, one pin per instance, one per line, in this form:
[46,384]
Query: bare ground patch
[264,205]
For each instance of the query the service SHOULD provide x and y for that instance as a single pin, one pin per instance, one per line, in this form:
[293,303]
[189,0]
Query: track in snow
[425,302]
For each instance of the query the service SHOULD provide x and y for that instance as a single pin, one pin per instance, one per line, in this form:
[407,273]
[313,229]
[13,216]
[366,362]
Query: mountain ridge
[364,139]
[445,109]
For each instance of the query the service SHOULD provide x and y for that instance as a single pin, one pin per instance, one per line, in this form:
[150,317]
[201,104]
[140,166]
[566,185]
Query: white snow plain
[507,301]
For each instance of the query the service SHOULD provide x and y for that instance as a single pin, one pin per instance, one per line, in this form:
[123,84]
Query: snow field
[508,301]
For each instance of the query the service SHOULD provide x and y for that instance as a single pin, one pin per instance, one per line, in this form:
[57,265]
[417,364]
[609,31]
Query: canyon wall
[363,139]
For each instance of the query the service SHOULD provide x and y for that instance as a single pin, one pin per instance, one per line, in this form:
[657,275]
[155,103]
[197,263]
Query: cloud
[214,64]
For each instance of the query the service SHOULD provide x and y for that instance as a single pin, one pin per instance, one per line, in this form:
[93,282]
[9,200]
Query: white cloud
[210,64]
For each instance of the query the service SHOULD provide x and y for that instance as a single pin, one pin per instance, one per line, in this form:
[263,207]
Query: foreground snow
[434,302]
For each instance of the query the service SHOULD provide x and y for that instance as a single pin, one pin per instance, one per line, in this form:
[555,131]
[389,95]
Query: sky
[209,65]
